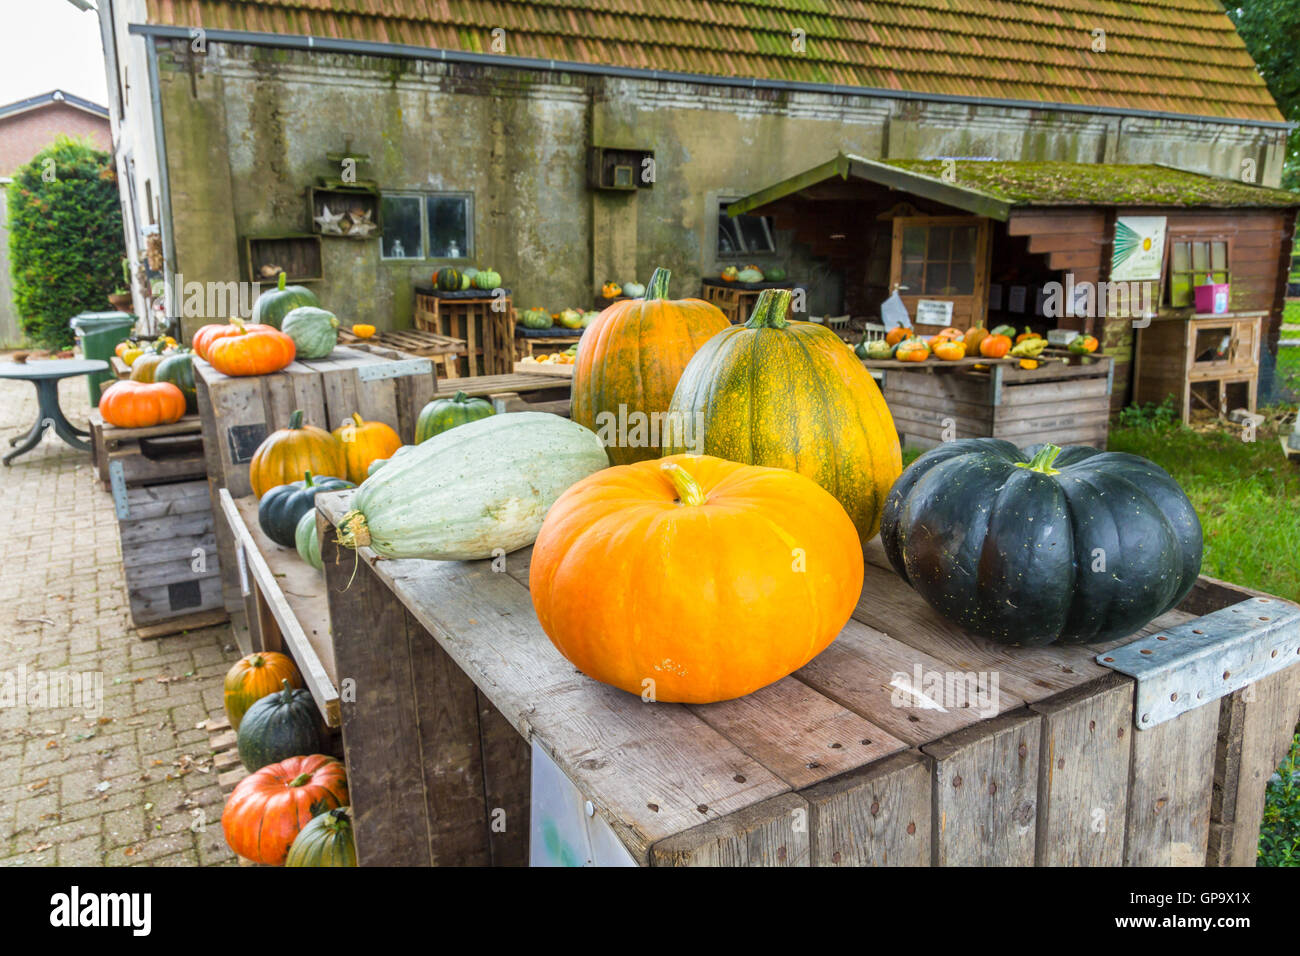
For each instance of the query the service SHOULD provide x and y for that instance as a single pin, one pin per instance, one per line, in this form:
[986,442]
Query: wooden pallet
[147,455]
[485,385]
[444,350]
[488,332]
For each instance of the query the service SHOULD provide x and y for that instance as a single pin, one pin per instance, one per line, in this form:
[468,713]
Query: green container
[100,332]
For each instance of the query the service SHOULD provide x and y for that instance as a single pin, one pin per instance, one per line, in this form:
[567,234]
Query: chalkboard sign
[243,440]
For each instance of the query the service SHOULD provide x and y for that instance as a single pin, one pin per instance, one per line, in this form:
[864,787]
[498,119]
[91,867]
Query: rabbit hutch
[1179,276]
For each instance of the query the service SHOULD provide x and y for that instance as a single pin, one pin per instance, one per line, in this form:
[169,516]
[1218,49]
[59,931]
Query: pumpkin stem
[657,288]
[279,283]
[295,420]
[299,780]
[460,398]
[288,691]
[770,310]
[356,417]
[353,532]
[688,489]
[256,660]
[1042,461]
[307,481]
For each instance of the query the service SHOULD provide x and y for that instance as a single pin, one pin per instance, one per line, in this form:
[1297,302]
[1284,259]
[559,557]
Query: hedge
[65,242]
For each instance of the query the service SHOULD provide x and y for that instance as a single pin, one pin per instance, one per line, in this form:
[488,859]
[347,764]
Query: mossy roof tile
[1173,56]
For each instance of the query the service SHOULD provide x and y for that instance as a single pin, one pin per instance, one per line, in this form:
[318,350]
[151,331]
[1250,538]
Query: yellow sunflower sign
[1139,249]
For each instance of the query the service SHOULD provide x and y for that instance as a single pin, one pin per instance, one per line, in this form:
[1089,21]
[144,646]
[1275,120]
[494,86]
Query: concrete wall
[248,129]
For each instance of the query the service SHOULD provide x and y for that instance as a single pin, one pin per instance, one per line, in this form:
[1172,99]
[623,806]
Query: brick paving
[129,781]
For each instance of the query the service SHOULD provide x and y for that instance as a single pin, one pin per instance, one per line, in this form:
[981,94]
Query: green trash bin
[99,333]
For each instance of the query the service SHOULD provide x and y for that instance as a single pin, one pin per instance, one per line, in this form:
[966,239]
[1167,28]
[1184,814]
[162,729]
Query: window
[1190,261]
[743,235]
[939,260]
[427,226]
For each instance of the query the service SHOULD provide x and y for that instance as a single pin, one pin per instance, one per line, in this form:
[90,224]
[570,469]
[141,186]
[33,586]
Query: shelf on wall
[298,255]
[356,206]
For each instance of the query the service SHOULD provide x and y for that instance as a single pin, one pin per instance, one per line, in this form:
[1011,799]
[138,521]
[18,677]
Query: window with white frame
[420,225]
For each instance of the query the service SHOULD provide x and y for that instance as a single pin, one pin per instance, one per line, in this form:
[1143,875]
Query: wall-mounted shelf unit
[1208,362]
[618,170]
[298,255]
[340,210]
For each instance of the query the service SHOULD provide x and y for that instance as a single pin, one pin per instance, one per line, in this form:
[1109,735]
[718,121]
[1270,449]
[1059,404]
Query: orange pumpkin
[252,353]
[707,543]
[897,334]
[973,337]
[611,290]
[912,350]
[208,334]
[270,807]
[995,346]
[1084,344]
[1026,334]
[950,350]
[142,404]
[289,453]
[253,677]
[123,346]
[363,331]
[948,333]
[632,355]
[364,442]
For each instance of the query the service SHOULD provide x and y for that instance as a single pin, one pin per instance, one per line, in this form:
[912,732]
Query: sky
[47,45]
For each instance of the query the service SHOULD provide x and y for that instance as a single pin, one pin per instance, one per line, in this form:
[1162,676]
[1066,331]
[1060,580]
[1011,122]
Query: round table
[45,375]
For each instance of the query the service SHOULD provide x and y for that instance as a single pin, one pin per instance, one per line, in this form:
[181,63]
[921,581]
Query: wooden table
[835,765]
[45,374]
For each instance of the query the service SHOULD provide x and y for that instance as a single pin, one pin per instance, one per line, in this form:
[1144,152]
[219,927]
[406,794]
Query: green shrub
[1279,835]
[65,243]
[1151,415]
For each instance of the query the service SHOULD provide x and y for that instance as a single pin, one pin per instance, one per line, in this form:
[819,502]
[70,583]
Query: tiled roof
[1173,56]
[50,98]
[996,188]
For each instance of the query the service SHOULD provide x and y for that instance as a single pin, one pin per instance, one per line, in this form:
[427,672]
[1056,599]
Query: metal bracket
[394,369]
[117,482]
[1198,662]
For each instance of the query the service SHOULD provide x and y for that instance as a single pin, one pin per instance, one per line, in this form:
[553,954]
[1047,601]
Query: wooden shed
[1109,250]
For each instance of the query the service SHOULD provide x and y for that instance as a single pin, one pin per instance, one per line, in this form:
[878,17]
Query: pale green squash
[315,332]
[471,490]
[307,540]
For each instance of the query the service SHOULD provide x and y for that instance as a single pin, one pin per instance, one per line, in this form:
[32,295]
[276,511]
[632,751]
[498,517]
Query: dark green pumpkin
[178,368]
[281,508]
[315,331]
[282,724]
[325,841]
[274,304]
[444,413]
[788,395]
[1044,545]
[447,279]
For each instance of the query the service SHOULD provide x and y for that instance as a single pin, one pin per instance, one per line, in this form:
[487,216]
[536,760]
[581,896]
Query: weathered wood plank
[507,781]
[1083,774]
[985,802]
[878,815]
[772,833]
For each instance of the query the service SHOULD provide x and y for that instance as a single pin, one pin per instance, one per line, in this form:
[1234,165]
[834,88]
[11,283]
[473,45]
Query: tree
[65,242]
[1271,31]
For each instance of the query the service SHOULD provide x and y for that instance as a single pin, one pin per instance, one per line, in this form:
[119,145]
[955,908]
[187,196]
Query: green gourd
[178,368]
[315,332]
[281,508]
[307,540]
[282,724]
[536,319]
[447,279]
[274,304]
[487,280]
[326,840]
[444,413]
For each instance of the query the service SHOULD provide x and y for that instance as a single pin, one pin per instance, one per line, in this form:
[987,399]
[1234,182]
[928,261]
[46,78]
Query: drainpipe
[164,179]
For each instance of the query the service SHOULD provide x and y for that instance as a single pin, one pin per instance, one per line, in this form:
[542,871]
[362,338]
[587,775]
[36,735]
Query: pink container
[1212,299]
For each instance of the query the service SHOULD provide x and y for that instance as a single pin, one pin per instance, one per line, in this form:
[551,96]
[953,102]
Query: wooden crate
[736,300]
[488,332]
[169,551]
[143,456]
[284,602]
[1065,403]
[529,343]
[832,766]
[239,412]
[1174,359]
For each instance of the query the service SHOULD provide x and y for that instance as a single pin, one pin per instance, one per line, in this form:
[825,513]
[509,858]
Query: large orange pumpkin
[142,404]
[995,346]
[268,808]
[364,442]
[253,677]
[897,334]
[631,357]
[252,353]
[208,334]
[750,573]
[289,453]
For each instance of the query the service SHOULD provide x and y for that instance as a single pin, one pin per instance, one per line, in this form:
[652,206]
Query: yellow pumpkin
[289,453]
[362,331]
[364,442]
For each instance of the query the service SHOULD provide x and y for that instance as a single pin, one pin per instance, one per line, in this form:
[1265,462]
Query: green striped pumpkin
[444,413]
[307,540]
[315,332]
[326,840]
[790,395]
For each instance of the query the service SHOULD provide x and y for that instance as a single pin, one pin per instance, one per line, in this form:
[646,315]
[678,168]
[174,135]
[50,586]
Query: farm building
[564,146]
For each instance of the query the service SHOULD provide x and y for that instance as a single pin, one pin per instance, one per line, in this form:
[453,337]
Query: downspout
[164,181]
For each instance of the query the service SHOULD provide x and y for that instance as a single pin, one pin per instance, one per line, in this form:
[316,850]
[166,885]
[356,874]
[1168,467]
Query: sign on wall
[1139,253]
[933,312]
